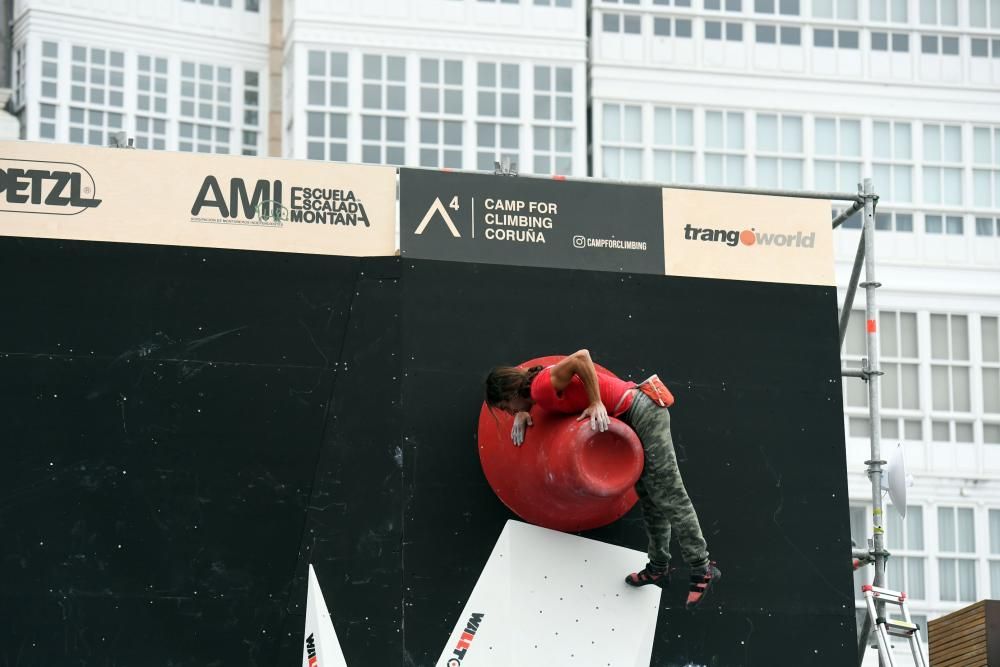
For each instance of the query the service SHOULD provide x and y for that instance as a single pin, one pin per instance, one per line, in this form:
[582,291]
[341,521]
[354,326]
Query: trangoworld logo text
[35,186]
[749,237]
[267,204]
[465,640]
[311,651]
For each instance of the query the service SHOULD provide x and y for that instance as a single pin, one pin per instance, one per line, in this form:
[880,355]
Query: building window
[326,136]
[384,86]
[936,44]
[950,372]
[50,69]
[725,146]
[326,106]
[151,103]
[956,537]
[892,168]
[766,34]
[838,151]
[441,86]
[986,167]
[441,100]
[383,139]
[629,24]
[47,121]
[844,39]
[326,82]
[730,5]
[901,417]
[939,12]
[673,145]
[984,14]
[889,10]
[984,48]
[780,154]
[733,31]
[905,538]
[942,169]
[888,221]
[383,136]
[944,224]
[621,138]
[496,142]
[554,3]
[206,108]
[252,5]
[216,3]
[498,95]
[675,3]
[251,112]
[97,95]
[901,382]
[783,7]
[898,42]
[498,90]
[19,70]
[991,371]
[994,518]
[553,113]
[846,10]
[770,34]
[441,143]
[987,226]
[152,85]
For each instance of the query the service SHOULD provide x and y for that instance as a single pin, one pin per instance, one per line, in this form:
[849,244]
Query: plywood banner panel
[217,201]
[747,237]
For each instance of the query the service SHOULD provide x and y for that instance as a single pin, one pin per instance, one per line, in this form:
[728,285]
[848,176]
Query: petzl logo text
[465,640]
[311,651]
[265,204]
[749,237]
[34,186]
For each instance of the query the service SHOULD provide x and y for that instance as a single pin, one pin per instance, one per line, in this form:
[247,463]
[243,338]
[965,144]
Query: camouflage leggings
[662,495]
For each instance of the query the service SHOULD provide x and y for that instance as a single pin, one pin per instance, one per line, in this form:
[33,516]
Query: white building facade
[175,75]
[817,94]
[800,94]
[438,83]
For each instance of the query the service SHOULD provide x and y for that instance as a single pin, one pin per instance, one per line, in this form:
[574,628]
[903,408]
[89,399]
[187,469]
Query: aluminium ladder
[886,627]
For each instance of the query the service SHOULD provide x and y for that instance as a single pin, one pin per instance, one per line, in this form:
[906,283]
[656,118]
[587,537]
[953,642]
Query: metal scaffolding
[864,200]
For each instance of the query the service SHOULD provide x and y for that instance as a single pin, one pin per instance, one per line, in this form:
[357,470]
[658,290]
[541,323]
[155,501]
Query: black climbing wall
[757,426]
[163,475]
[186,429]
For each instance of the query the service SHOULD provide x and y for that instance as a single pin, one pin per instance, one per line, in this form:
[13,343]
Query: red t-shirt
[574,397]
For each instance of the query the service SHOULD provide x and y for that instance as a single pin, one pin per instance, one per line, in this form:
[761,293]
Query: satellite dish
[896,480]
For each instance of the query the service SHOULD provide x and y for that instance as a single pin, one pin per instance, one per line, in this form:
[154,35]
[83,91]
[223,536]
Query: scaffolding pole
[871,373]
[852,287]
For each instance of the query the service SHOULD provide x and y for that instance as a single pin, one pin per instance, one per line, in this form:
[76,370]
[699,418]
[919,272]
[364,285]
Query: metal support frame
[871,373]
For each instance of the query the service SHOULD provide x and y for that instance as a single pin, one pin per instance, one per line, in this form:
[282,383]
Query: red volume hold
[565,476]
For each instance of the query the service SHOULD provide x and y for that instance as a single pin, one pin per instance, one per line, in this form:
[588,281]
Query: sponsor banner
[747,237]
[530,222]
[218,201]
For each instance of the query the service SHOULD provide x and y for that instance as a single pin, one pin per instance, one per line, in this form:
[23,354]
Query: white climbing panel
[550,598]
[320,647]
